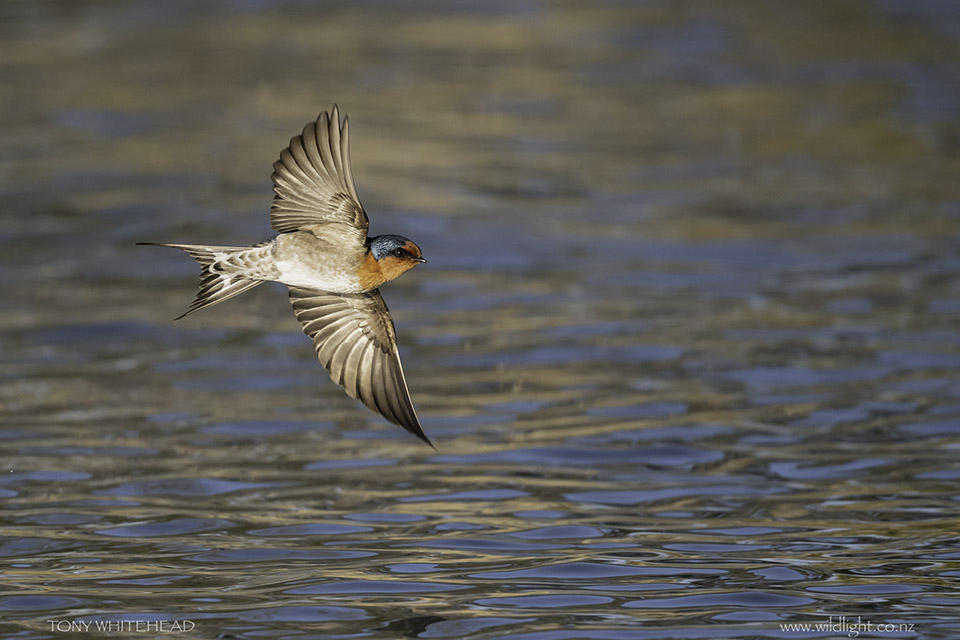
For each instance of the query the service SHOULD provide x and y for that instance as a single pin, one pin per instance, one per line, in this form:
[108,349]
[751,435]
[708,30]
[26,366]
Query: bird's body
[333,270]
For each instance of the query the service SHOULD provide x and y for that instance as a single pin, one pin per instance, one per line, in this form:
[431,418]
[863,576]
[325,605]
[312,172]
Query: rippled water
[687,342]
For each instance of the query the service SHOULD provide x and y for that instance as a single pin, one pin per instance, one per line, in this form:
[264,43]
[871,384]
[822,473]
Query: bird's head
[395,254]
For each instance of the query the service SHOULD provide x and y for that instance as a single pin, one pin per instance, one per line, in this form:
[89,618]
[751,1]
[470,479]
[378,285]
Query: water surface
[687,342]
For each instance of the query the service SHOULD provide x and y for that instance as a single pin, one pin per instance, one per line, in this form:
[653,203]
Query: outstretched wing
[356,342]
[313,181]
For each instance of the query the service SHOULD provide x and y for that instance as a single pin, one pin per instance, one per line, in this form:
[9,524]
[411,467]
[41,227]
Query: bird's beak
[420,259]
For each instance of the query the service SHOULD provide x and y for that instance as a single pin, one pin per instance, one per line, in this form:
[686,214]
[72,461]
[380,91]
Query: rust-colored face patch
[391,267]
[369,275]
[412,249]
[374,273]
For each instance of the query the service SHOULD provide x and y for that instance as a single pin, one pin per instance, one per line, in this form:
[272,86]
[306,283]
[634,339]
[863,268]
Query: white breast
[297,274]
[305,259]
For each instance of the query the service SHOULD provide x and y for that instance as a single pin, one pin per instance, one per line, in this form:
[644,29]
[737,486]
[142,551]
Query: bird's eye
[399,253]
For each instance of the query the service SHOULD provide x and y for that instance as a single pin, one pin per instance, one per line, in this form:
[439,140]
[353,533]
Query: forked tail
[216,282]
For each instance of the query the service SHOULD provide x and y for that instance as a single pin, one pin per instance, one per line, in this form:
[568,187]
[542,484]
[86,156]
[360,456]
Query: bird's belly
[326,277]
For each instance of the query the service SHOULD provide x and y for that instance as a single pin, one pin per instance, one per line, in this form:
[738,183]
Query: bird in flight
[333,270]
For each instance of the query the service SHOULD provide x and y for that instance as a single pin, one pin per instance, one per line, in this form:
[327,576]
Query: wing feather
[366,376]
[356,342]
[333,141]
[351,364]
[313,181]
[381,385]
[330,345]
[396,407]
[347,167]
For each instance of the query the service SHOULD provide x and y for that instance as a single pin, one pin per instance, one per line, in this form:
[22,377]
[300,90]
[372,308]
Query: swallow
[332,268]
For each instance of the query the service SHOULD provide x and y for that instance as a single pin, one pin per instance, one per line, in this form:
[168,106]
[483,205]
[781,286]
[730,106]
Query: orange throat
[372,273]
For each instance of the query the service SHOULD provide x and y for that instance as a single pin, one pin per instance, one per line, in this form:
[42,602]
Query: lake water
[687,343]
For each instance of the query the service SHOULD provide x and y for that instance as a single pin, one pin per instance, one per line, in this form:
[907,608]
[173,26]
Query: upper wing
[356,342]
[313,181]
